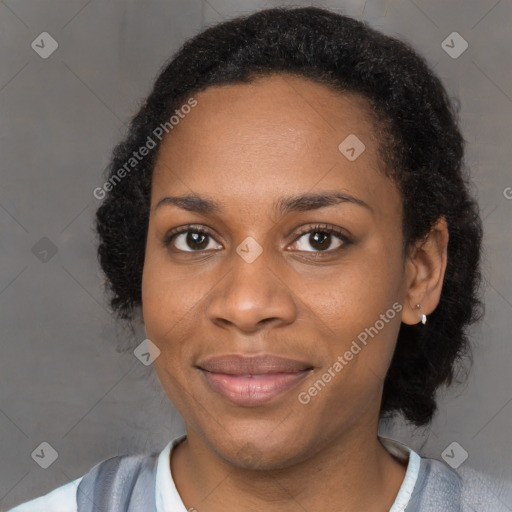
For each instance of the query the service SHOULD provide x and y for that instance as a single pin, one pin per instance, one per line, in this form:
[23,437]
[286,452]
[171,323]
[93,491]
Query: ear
[425,269]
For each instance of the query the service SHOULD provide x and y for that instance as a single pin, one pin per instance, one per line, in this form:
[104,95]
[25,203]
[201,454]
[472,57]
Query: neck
[352,473]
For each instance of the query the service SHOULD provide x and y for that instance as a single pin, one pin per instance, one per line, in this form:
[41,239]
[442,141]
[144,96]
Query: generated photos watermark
[305,397]
[145,149]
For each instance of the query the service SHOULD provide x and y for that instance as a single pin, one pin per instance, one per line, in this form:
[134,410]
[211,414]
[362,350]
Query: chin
[259,449]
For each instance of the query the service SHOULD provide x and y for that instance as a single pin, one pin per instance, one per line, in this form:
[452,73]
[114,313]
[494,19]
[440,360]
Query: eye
[320,237]
[198,239]
[190,239]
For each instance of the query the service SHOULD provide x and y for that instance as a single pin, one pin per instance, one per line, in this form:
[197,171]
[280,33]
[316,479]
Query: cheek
[169,295]
[169,313]
[172,305]
[354,295]
[359,310]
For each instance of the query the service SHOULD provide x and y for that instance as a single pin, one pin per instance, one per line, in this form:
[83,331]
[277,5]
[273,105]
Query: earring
[423,316]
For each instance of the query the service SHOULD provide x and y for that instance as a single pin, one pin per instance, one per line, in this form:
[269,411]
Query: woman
[290,213]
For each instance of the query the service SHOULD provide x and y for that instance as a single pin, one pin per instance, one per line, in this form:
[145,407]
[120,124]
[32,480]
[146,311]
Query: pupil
[192,241]
[324,236]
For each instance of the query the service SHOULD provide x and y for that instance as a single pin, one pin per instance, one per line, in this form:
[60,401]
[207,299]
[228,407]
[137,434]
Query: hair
[420,143]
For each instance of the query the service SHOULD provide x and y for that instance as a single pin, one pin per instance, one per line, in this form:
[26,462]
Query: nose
[252,296]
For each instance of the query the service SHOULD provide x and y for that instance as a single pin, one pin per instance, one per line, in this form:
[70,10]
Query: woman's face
[267,280]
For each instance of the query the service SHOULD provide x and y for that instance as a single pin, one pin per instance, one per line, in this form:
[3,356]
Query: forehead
[277,133]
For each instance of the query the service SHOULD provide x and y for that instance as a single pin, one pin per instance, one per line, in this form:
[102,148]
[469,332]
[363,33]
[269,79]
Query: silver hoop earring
[423,316]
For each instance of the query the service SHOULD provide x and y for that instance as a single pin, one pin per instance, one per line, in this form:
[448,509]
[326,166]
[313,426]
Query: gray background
[63,378]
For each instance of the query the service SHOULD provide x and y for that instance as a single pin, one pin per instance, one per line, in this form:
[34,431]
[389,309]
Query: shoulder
[61,499]
[119,483]
[440,487]
[483,492]
[113,476]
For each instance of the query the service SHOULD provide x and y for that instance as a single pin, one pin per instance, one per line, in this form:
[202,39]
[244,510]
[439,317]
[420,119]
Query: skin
[246,146]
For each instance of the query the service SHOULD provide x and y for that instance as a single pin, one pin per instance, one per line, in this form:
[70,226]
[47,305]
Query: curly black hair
[422,151]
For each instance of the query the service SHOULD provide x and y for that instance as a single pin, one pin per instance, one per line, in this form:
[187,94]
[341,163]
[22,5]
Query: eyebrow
[298,203]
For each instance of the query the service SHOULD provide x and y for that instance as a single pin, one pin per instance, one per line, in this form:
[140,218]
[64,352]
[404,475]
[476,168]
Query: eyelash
[318,228]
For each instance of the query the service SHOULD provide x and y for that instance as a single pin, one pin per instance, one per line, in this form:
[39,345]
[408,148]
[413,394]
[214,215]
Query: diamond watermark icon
[351,147]
[454,455]
[146,352]
[44,45]
[45,455]
[249,249]
[454,45]
[44,249]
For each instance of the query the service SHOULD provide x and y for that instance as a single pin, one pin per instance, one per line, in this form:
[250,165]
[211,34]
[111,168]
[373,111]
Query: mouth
[252,381]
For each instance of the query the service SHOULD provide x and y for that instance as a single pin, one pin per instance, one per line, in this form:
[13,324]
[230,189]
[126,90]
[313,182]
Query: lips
[252,380]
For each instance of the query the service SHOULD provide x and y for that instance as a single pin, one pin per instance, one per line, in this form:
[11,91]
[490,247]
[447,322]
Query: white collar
[167,496]
[403,452]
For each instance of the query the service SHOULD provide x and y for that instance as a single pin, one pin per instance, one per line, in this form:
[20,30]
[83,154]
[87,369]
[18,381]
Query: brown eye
[321,239]
[190,240]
